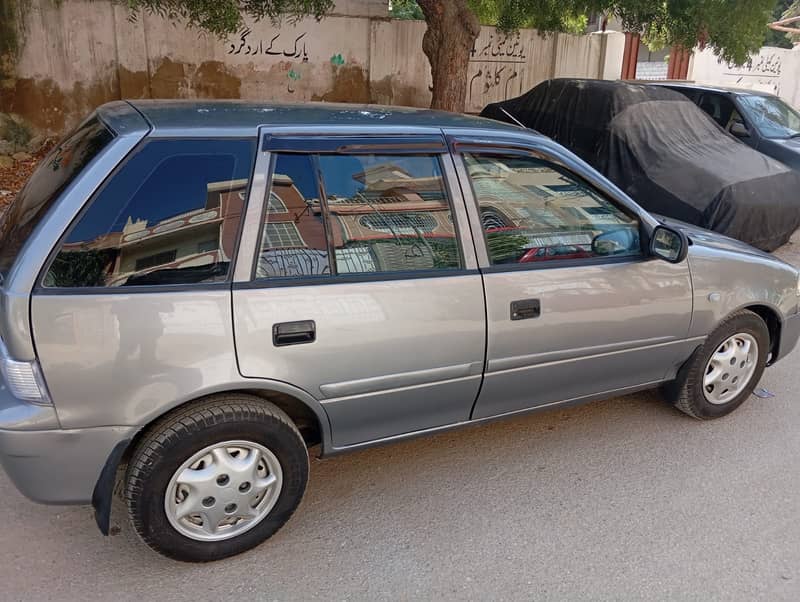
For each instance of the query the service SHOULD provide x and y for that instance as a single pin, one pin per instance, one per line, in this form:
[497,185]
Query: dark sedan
[761,120]
[667,154]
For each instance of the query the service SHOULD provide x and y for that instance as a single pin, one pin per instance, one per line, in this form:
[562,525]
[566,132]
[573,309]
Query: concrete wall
[501,66]
[73,56]
[775,70]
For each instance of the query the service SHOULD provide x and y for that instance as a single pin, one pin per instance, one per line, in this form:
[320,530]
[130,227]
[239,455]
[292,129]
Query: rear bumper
[790,333]
[48,464]
[58,466]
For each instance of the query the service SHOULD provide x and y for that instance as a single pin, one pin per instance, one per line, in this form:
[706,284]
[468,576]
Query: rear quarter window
[56,171]
[169,215]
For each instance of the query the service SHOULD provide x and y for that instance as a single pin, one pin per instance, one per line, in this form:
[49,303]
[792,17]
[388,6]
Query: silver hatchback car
[195,293]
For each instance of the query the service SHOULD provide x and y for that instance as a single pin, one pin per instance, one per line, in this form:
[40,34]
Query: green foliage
[224,17]
[733,28]
[507,15]
[406,9]
[544,15]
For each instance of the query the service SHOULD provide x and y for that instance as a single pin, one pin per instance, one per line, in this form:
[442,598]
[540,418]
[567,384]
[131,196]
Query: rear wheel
[723,372]
[216,478]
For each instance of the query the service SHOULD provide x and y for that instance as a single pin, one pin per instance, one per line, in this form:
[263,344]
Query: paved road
[623,499]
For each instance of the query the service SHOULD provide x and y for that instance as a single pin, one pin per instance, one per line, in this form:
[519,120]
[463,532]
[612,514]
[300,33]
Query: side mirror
[616,242]
[739,130]
[668,244]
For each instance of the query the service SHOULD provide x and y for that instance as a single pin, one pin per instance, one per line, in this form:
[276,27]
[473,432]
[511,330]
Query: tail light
[23,379]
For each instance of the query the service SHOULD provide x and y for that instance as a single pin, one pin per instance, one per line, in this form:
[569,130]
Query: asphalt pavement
[624,499]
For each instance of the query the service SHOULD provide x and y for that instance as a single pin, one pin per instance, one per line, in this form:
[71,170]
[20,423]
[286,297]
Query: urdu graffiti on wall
[272,46]
[762,64]
[275,44]
[500,48]
[496,62]
[762,69]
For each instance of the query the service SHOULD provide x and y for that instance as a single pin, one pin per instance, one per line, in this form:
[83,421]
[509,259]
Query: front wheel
[723,372]
[216,478]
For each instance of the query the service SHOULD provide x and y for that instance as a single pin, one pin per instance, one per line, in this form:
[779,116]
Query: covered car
[666,153]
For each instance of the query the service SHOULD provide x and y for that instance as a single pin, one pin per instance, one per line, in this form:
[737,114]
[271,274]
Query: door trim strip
[400,380]
[521,362]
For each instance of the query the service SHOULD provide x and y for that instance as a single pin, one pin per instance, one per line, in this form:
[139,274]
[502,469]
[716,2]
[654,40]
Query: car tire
[721,375]
[216,478]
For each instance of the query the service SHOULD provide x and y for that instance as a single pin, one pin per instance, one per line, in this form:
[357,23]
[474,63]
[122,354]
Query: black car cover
[667,154]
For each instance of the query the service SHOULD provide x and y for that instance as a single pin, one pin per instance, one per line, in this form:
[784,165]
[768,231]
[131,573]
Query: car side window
[374,214]
[533,211]
[293,238]
[719,107]
[169,215]
[389,213]
[694,95]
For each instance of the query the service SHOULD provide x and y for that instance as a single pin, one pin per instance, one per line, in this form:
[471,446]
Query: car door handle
[525,309]
[294,333]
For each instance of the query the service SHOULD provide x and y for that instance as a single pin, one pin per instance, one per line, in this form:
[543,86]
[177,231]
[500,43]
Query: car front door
[575,306]
[354,282]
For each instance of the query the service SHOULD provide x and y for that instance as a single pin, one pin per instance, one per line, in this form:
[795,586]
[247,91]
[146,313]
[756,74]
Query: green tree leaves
[406,9]
[734,28]
[224,17]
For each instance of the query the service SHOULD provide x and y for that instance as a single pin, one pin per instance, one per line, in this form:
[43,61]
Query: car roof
[236,117]
[711,88]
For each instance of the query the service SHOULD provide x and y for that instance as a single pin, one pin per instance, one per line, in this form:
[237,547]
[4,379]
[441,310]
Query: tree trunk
[452,30]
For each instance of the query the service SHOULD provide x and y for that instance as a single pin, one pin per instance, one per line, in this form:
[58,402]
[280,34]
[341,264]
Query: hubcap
[223,490]
[730,368]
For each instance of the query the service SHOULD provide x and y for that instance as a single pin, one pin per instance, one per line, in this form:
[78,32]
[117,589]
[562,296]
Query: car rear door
[357,282]
[567,323]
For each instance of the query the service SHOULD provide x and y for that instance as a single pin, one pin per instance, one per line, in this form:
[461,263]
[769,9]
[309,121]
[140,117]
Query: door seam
[451,154]
[485,346]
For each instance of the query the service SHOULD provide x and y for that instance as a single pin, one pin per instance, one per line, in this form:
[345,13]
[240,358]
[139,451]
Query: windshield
[52,176]
[772,117]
